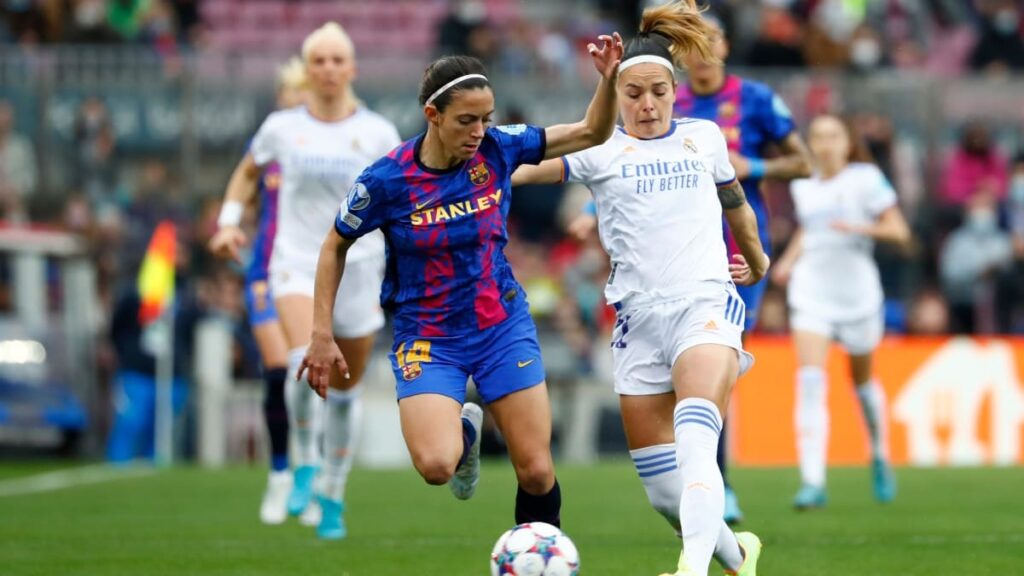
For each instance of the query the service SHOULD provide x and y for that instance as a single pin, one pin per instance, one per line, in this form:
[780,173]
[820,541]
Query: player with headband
[442,200]
[661,187]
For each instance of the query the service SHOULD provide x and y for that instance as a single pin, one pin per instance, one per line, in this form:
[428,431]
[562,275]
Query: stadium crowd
[965,201]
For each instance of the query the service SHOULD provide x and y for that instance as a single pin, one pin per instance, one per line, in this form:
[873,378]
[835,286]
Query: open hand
[322,356]
[608,56]
[227,243]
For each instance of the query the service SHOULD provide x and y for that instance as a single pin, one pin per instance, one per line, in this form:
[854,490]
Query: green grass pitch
[185,521]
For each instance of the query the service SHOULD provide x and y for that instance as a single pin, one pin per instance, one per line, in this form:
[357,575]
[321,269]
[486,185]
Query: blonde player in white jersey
[661,187]
[322,148]
[835,294]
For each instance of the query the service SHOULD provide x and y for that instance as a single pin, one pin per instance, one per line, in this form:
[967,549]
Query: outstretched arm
[795,162]
[229,238]
[547,172]
[599,122]
[752,265]
[323,353]
[890,227]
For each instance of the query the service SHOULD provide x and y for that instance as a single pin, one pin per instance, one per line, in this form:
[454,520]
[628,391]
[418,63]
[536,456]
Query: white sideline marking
[70,478]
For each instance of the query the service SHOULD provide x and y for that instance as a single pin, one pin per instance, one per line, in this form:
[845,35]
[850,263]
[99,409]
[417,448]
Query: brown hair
[674,29]
[859,151]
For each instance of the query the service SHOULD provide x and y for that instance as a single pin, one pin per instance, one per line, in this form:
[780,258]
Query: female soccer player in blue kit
[442,201]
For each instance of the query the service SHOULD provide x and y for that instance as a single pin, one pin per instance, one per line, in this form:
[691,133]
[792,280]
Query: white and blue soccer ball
[535,549]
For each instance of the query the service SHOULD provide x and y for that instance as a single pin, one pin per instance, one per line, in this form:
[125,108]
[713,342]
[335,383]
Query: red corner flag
[156,278]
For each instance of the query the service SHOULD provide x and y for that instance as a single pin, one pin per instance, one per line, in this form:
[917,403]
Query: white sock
[697,426]
[343,417]
[660,475]
[812,424]
[872,403]
[303,405]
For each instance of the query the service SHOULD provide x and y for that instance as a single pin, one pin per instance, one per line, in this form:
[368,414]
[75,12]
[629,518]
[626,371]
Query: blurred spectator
[1000,47]
[88,24]
[778,41]
[22,21]
[127,16]
[464,16]
[155,198]
[975,167]
[95,169]
[18,169]
[971,260]
[1010,294]
[929,314]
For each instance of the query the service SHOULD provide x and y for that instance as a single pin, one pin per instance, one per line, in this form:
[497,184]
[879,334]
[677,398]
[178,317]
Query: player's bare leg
[524,418]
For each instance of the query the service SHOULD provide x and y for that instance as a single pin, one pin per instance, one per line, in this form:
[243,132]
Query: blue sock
[468,438]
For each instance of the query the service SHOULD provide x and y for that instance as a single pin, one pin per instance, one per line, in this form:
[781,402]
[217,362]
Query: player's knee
[536,475]
[435,470]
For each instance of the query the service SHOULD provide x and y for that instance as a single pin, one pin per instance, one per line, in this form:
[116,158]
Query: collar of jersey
[671,131]
[428,169]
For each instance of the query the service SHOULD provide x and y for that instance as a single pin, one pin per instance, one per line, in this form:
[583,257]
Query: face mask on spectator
[865,53]
[1006,21]
[981,220]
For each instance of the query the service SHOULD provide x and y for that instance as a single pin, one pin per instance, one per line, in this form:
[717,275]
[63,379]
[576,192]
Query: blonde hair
[331,31]
[292,74]
[682,24]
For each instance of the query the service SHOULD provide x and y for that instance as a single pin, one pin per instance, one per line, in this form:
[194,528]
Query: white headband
[445,88]
[646,59]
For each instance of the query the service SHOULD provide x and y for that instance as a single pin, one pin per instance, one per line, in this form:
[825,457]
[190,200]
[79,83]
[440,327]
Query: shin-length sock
[342,421]
[275,414]
[544,508]
[698,424]
[873,404]
[663,483]
[303,404]
[812,424]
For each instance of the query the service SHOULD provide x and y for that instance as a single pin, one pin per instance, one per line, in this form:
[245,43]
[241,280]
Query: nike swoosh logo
[422,205]
[524,364]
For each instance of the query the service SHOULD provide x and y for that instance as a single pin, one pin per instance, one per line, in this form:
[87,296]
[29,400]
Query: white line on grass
[70,478]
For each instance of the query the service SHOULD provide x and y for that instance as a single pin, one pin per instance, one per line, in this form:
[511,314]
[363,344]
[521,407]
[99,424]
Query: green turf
[188,521]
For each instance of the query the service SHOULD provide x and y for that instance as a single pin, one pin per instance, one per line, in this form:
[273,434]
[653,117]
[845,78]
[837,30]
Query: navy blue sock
[545,508]
[468,437]
[275,413]
[723,461]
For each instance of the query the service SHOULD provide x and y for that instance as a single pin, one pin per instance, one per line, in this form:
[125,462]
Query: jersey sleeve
[521,143]
[879,194]
[722,169]
[775,117]
[264,145]
[364,210]
[579,167]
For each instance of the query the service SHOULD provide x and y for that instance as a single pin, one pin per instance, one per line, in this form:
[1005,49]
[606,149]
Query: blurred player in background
[321,149]
[661,187]
[442,200]
[266,327]
[751,117]
[835,294]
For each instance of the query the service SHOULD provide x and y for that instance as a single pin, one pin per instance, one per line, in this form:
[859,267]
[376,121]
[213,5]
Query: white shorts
[357,310]
[858,337]
[648,339]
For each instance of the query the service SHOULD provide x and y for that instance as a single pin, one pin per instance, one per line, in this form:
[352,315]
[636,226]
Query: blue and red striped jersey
[445,231]
[270,184]
[750,115]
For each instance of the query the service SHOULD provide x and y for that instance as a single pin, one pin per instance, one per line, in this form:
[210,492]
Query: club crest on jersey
[480,175]
[726,110]
[411,371]
[690,146]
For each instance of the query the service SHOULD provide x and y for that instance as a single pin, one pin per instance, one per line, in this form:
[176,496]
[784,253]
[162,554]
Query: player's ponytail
[332,30]
[673,30]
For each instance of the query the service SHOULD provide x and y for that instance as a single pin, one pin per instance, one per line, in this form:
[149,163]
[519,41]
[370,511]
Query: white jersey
[319,163]
[835,277]
[659,217]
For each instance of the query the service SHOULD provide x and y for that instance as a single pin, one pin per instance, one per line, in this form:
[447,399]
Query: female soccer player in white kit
[835,294]
[321,148]
[661,186]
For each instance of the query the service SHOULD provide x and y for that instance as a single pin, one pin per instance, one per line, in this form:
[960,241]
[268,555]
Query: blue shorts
[502,359]
[752,296]
[259,302]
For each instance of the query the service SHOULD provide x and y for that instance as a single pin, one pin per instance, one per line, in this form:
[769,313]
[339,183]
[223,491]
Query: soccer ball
[534,549]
